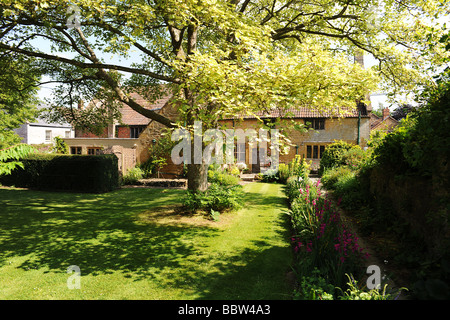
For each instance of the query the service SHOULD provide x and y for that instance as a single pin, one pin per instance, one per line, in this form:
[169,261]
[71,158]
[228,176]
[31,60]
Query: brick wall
[123,132]
[85,134]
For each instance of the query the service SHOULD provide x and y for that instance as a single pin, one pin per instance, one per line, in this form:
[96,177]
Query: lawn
[134,244]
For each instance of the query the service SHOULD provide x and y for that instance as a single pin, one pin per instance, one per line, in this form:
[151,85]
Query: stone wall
[345,129]
[416,200]
[126,150]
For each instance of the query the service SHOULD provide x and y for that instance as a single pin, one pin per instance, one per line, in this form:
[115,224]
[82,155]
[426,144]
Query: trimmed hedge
[80,173]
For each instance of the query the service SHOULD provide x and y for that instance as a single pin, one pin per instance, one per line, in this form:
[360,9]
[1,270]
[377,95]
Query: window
[316,124]
[67,134]
[314,151]
[93,151]
[75,150]
[48,135]
[239,152]
[135,131]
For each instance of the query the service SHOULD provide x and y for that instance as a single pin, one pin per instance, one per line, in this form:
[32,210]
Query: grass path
[132,244]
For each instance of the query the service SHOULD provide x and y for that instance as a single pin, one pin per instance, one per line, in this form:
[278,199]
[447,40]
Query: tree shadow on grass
[98,233]
[102,234]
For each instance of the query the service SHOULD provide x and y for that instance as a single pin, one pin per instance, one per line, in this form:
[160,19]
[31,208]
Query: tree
[224,58]
[10,157]
[18,79]
[402,111]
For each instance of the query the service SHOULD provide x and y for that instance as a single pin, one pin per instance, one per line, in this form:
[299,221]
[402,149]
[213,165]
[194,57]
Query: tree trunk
[197,177]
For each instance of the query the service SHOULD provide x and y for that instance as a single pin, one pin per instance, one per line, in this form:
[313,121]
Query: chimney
[386,113]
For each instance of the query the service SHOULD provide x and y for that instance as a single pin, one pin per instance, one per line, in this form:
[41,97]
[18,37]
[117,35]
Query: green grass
[134,244]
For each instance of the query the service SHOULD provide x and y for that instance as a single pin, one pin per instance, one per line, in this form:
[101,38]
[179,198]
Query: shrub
[348,189]
[234,170]
[61,146]
[314,287]
[298,167]
[216,198]
[216,176]
[271,175]
[84,173]
[355,158]
[333,155]
[331,176]
[133,175]
[283,172]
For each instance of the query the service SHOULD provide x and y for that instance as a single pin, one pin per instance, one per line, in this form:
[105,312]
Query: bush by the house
[133,175]
[83,173]
[337,154]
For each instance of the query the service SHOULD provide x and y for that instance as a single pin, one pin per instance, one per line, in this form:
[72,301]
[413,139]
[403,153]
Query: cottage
[130,140]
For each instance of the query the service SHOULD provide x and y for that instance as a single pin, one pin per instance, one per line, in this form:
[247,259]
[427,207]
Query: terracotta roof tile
[131,117]
[307,113]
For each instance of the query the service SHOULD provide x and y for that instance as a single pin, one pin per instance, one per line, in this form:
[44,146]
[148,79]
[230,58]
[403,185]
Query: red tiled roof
[131,117]
[304,112]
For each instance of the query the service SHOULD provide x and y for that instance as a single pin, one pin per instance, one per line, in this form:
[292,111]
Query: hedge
[80,173]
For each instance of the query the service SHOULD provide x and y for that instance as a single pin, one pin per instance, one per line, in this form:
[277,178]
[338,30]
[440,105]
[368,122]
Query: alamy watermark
[374,280]
[74,19]
[74,281]
[220,145]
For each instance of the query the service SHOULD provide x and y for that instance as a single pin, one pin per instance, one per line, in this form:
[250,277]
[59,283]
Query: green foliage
[270,175]
[234,171]
[418,144]
[354,292]
[133,175]
[159,152]
[216,198]
[348,189]
[337,154]
[9,158]
[314,287]
[284,172]
[389,152]
[215,215]
[331,176]
[66,173]
[320,238]
[222,178]
[298,167]
[61,146]
[18,87]
[224,193]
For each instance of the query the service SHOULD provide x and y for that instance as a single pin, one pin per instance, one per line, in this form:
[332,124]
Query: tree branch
[87,65]
[123,97]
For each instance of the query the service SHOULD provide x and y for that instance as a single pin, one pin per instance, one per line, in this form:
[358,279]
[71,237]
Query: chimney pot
[386,113]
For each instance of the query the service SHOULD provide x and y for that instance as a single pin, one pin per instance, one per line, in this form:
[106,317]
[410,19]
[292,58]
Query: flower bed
[322,244]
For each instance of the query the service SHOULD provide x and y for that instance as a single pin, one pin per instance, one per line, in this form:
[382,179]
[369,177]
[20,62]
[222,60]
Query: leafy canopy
[226,58]
[18,80]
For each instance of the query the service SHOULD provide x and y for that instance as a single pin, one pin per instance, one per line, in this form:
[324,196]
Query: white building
[42,132]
